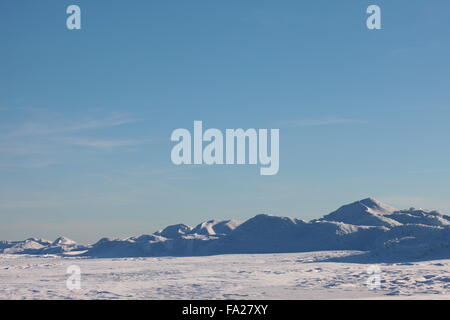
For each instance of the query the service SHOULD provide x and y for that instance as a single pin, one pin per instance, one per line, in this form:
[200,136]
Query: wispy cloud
[102,144]
[27,164]
[23,204]
[42,143]
[323,122]
[34,129]
[423,202]
[22,148]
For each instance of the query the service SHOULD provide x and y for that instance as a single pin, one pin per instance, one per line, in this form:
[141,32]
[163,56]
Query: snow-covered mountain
[366,225]
[215,227]
[174,231]
[40,246]
[368,212]
[419,216]
[272,234]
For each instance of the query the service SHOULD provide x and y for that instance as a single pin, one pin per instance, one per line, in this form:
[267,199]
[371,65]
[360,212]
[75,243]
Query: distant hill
[365,225]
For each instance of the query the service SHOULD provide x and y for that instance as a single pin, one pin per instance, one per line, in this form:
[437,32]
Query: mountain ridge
[365,225]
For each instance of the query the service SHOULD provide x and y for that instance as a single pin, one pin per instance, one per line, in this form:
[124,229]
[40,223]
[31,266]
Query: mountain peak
[371,205]
[174,231]
[377,205]
[215,227]
[369,212]
[370,201]
[63,241]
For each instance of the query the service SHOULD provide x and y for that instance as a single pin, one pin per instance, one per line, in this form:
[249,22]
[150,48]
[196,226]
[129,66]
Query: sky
[86,115]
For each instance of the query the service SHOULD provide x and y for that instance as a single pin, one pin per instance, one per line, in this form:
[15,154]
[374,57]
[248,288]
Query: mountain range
[365,225]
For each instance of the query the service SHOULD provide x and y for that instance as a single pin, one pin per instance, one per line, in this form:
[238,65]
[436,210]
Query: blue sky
[86,116]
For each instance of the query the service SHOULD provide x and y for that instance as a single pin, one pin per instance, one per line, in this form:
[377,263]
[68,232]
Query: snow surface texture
[264,276]
[266,257]
[385,233]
